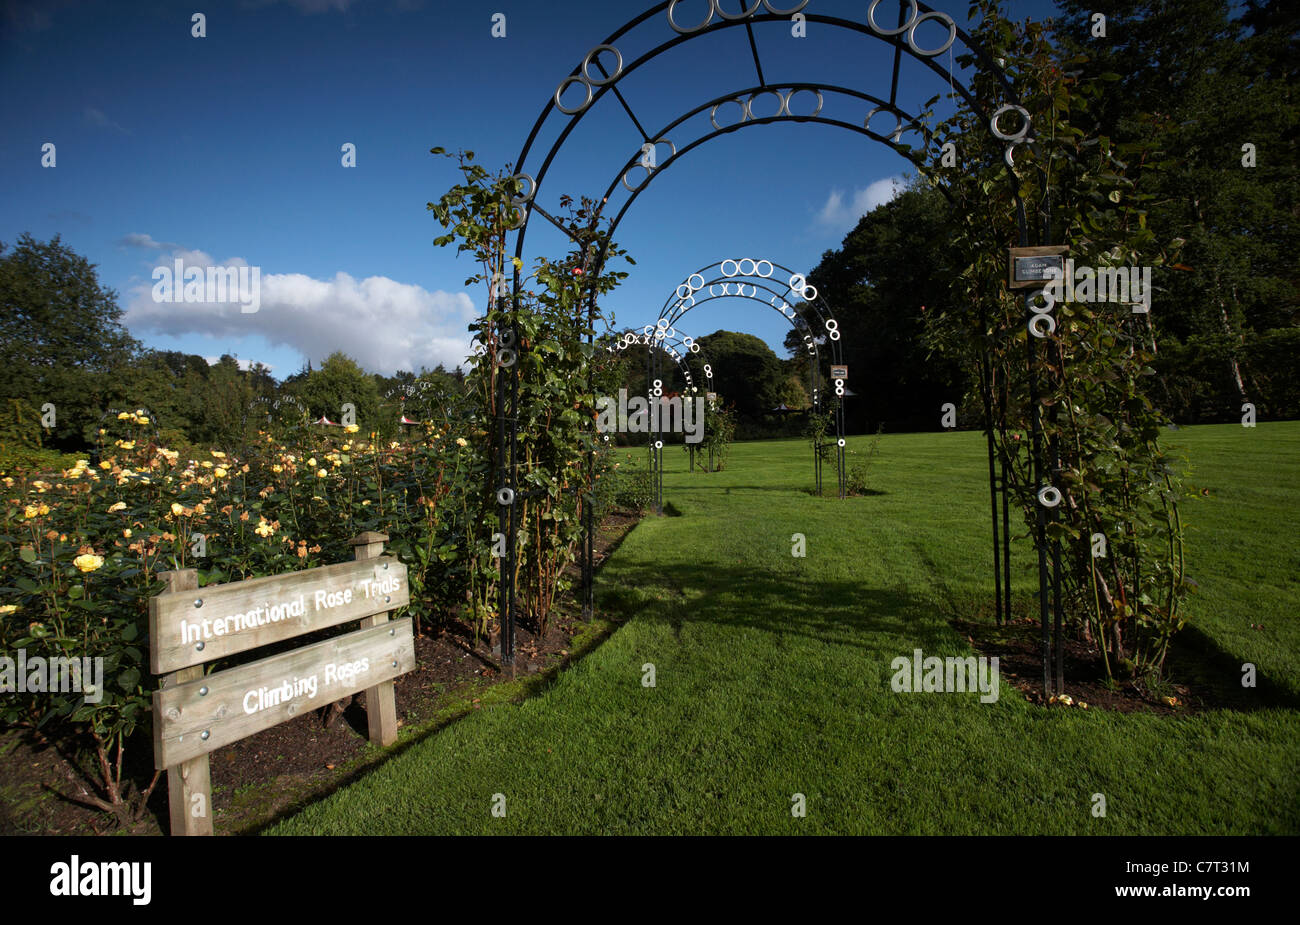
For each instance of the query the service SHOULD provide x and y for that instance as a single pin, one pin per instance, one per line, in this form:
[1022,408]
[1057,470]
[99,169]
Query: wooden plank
[189,784]
[226,623]
[381,700]
[230,705]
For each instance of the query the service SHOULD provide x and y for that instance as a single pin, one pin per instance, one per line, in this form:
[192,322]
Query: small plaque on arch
[1028,267]
[839,372]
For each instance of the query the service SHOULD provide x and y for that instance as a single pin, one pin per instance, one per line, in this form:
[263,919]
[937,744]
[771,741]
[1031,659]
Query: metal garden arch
[795,299]
[596,81]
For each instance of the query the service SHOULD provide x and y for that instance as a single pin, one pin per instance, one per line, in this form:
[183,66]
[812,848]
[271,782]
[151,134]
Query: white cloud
[385,325]
[145,241]
[842,211]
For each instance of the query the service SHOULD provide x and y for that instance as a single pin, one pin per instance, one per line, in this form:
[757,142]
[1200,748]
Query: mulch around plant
[1196,679]
[262,777]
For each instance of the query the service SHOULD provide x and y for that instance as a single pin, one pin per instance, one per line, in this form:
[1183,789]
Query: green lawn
[772,673]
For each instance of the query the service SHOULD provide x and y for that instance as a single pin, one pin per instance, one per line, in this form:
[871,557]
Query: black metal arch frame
[667,342]
[660,341]
[902,40]
[795,305]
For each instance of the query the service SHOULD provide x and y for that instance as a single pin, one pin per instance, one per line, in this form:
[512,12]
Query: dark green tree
[61,336]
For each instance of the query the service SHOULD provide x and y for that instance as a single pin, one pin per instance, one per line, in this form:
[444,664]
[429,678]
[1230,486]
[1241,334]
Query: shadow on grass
[840,613]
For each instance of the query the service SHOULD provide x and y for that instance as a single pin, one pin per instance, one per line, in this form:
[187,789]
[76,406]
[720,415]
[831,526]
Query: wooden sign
[190,628]
[195,712]
[1028,267]
[193,718]
[839,372]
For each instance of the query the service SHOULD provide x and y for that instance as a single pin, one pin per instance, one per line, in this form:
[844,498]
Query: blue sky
[226,150]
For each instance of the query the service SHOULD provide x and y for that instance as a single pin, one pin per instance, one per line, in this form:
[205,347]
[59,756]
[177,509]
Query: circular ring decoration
[839,383]
[694,348]
[659,384]
[532,189]
[505,357]
[713,114]
[941,17]
[1017,137]
[657,392]
[1049,496]
[711,292]
[505,496]
[628,186]
[734,17]
[776,12]
[808,289]
[797,282]
[831,324]
[506,337]
[672,332]
[521,221]
[842,442]
[749,104]
[593,56]
[735,267]
[708,370]
[687,341]
[1035,330]
[835,335]
[659,444]
[693,286]
[687,31]
[564,84]
[740,264]
[911,19]
[1007,156]
[661,324]
[758,272]
[839,390]
[682,295]
[647,329]
[789,97]
[1049,302]
[898,129]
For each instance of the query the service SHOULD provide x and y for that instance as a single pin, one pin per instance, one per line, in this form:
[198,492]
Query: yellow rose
[124,416]
[218,454]
[321,473]
[8,609]
[351,429]
[88,563]
[127,533]
[30,511]
[177,509]
[106,465]
[219,472]
[277,468]
[120,506]
[461,441]
[311,462]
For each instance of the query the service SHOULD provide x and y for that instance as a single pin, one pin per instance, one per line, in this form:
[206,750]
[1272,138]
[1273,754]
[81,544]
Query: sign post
[195,713]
